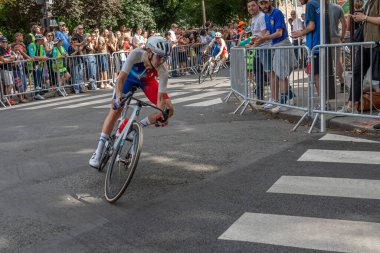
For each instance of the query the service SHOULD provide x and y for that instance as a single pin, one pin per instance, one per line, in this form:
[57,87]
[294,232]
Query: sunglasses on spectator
[50,35]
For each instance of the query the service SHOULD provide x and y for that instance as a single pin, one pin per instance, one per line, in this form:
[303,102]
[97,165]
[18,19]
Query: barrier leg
[300,121]
[246,104]
[1,103]
[314,122]
[240,106]
[227,98]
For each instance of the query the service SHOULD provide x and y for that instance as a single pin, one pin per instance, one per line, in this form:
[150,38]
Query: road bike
[122,152]
[210,68]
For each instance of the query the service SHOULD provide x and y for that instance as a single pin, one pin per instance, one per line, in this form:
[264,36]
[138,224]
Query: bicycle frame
[135,113]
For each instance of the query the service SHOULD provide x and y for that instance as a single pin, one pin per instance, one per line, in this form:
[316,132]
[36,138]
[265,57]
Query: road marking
[100,101]
[340,156]
[40,102]
[198,96]
[306,232]
[67,102]
[327,186]
[208,102]
[337,137]
[144,99]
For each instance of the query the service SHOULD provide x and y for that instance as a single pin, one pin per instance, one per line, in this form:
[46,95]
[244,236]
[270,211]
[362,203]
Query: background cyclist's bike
[124,148]
[210,68]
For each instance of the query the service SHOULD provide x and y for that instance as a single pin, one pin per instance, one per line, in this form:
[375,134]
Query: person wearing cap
[36,50]
[283,60]
[62,35]
[6,58]
[59,55]
[241,26]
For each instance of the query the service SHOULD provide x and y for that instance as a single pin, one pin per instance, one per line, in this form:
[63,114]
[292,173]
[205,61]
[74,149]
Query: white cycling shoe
[94,160]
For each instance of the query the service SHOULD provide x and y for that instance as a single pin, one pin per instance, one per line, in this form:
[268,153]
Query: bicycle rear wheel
[123,163]
[204,72]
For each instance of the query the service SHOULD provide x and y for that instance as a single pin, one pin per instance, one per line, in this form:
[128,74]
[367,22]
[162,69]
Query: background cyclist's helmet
[218,35]
[159,45]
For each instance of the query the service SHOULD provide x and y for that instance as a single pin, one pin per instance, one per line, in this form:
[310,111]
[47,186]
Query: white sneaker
[38,97]
[94,160]
[278,109]
[108,86]
[268,105]
[347,109]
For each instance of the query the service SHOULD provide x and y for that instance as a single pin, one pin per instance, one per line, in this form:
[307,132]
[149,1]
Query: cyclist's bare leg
[109,122]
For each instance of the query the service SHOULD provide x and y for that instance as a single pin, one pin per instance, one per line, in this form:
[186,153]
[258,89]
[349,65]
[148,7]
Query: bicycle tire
[118,165]
[203,74]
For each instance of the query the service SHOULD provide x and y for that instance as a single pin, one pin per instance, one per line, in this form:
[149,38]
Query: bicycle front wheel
[123,163]
[204,72]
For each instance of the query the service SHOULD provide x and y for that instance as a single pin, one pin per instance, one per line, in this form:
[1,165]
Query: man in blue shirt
[63,36]
[283,59]
[312,32]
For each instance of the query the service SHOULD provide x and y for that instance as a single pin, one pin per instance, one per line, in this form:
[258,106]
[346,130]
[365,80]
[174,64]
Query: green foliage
[137,13]
[16,15]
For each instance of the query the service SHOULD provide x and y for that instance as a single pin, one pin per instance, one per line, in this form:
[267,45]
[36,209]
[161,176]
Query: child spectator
[59,55]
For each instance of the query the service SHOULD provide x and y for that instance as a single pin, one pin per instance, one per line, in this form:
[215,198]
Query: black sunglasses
[160,57]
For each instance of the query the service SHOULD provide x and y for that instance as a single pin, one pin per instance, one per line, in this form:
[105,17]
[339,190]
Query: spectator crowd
[44,60]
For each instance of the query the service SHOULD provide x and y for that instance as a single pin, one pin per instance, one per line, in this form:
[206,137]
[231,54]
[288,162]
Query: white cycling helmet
[159,45]
[218,35]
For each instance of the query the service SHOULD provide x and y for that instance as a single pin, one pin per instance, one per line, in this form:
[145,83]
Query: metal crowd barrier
[347,76]
[118,59]
[185,59]
[188,58]
[33,78]
[269,76]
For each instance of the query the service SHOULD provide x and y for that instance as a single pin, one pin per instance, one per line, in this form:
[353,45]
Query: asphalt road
[195,178]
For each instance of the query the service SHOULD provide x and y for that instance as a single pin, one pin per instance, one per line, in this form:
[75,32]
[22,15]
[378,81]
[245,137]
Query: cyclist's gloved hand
[161,119]
[116,104]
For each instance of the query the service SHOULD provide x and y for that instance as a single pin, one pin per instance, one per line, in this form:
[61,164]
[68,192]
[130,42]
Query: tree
[137,13]
[16,16]
[102,13]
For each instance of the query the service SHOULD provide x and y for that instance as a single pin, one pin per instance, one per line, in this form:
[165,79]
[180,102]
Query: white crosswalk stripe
[340,156]
[198,96]
[179,93]
[306,232]
[85,98]
[334,235]
[337,137]
[208,102]
[326,186]
[49,101]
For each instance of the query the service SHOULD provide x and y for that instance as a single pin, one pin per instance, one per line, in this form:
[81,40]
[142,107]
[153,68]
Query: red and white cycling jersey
[221,45]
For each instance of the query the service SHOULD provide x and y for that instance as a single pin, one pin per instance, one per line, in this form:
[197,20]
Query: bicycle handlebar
[129,96]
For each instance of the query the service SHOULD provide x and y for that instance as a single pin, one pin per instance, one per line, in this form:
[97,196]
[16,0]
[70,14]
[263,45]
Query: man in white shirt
[174,41]
[262,63]
[297,25]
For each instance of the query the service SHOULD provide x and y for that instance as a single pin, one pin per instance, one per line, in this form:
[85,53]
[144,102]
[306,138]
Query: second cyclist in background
[220,50]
